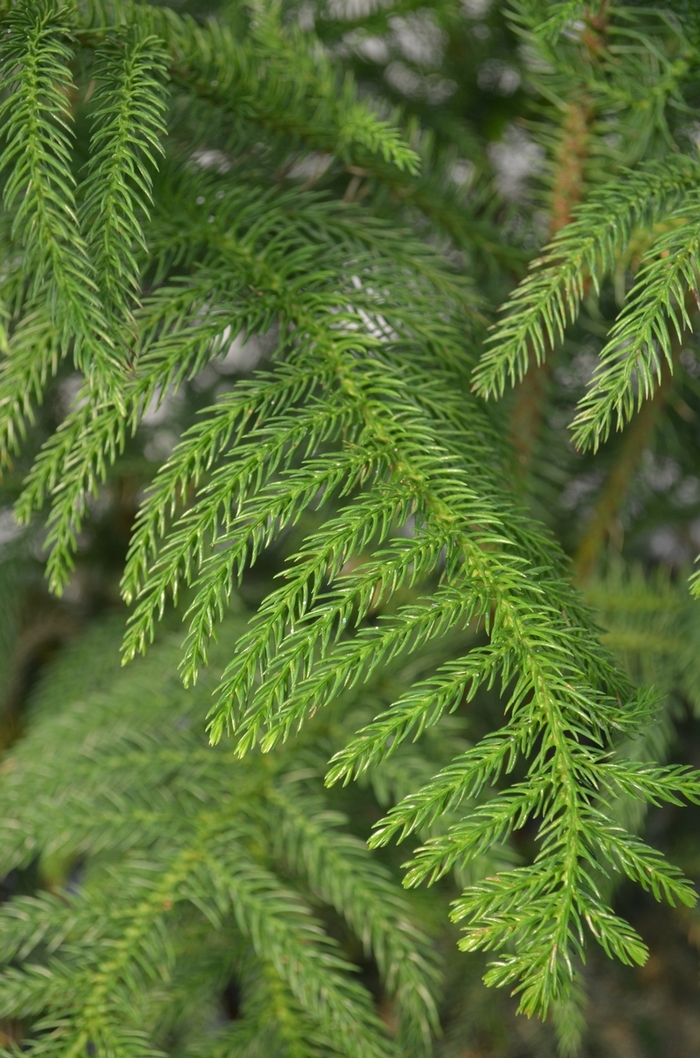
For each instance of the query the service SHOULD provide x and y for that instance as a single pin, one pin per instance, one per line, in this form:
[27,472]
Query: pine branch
[127,125]
[367,899]
[630,365]
[584,251]
[276,80]
[364,440]
[41,189]
[32,357]
[109,957]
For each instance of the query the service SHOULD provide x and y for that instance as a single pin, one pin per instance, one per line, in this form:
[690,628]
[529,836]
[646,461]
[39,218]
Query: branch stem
[634,444]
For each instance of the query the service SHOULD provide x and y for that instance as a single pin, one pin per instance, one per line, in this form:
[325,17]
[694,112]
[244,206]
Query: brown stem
[570,163]
[567,192]
[634,443]
[526,415]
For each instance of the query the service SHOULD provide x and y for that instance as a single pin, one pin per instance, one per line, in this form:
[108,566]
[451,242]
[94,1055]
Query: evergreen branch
[569,1018]
[559,16]
[274,1021]
[367,899]
[537,313]
[463,779]
[644,865]
[127,125]
[365,438]
[322,559]
[650,783]
[171,347]
[416,460]
[32,357]
[249,404]
[304,85]
[520,906]
[277,504]
[276,79]
[105,951]
[48,917]
[226,498]
[633,445]
[459,679]
[616,937]
[40,188]
[416,709]
[296,646]
[75,460]
[656,313]
[37,83]
[555,701]
[283,933]
[280,504]
[487,825]
[265,77]
[109,956]
[245,208]
[299,683]
[71,477]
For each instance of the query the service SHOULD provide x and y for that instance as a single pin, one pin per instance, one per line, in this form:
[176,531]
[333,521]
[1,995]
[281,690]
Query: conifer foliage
[193,880]
[151,217]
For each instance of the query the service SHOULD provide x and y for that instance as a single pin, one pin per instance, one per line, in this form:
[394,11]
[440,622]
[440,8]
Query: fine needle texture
[151,229]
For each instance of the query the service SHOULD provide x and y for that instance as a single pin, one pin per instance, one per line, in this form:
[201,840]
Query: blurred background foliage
[512,132]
